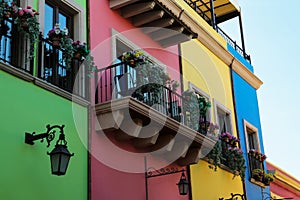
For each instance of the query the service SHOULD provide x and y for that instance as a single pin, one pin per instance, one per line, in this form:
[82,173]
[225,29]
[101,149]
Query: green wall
[25,169]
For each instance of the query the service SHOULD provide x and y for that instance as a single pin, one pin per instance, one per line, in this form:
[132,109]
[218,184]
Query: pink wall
[282,189]
[108,183]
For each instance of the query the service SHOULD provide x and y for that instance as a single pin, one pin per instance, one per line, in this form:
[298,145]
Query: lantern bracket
[49,135]
[151,172]
[235,196]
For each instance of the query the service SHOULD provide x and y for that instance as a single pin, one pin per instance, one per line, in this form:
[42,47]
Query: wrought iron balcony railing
[50,65]
[14,48]
[204,10]
[53,68]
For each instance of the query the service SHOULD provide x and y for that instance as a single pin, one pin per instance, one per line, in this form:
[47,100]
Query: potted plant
[80,50]
[257,155]
[257,174]
[234,160]
[268,178]
[28,23]
[82,53]
[60,39]
[58,35]
[134,57]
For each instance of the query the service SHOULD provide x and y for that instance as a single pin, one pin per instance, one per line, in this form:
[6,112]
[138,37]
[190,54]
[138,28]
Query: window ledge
[222,166]
[260,184]
[43,84]
[16,72]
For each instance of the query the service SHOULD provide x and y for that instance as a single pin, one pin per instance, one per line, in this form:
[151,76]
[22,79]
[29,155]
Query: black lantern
[60,155]
[183,185]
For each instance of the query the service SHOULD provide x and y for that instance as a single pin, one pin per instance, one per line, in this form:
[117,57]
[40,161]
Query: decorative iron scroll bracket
[235,197]
[152,172]
[49,135]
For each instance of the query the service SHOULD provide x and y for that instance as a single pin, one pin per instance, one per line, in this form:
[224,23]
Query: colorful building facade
[129,111]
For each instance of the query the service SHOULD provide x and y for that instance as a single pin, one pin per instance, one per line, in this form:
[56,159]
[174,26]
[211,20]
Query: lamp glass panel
[64,163]
[55,159]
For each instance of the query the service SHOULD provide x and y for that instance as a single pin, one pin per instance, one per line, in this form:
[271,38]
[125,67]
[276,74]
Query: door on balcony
[124,76]
[56,69]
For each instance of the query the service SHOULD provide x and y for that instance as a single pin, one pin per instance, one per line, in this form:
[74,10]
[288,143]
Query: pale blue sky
[271,32]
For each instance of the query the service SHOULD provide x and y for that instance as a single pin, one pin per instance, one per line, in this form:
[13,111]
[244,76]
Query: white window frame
[248,125]
[218,105]
[205,95]
[115,35]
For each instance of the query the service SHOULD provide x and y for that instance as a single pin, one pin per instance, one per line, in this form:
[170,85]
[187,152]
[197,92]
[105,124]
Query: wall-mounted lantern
[183,184]
[60,155]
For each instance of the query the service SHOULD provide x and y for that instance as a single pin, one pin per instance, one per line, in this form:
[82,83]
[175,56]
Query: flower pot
[24,24]
[56,41]
[77,55]
[132,63]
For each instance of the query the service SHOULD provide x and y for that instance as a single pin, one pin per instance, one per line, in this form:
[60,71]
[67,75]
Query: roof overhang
[156,19]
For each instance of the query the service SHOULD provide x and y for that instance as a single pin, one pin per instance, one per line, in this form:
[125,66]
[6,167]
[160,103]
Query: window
[203,94]
[253,147]
[223,117]
[54,67]
[55,13]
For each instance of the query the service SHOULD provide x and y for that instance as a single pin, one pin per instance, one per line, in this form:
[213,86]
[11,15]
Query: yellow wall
[208,184]
[212,76]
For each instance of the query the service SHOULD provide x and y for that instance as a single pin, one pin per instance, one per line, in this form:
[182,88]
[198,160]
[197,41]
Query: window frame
[219,106]
[254,131]
[199,91]
[69,6]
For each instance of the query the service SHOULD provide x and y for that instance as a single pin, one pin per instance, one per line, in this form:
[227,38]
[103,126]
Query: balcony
[218,11]
[150,116]
[46,67]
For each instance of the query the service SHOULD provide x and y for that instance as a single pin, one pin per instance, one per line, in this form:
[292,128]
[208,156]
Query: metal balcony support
[212,12]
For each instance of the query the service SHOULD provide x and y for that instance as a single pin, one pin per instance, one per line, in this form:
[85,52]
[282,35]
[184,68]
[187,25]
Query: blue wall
[247,108]
[239,57]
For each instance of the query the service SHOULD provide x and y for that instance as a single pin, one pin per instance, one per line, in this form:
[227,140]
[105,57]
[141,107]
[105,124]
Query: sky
[271,33]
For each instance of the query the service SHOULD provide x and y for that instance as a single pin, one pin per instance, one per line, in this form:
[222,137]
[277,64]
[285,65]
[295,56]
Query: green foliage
[227,153]
[68,51]
[28,23]
[215,156]
[150,78]
[197,106]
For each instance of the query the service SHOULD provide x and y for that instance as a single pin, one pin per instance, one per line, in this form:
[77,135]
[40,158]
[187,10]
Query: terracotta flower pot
[77,55]
[56,41]
[24,24]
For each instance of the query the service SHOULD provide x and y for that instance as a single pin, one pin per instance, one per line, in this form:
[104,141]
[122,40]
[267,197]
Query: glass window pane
[48,23]
[62,21]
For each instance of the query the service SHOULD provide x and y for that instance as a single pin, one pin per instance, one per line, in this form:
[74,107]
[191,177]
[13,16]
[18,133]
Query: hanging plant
[26,19]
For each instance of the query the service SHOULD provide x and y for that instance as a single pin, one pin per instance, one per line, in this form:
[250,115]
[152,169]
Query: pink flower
[21,12]
[28,7]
